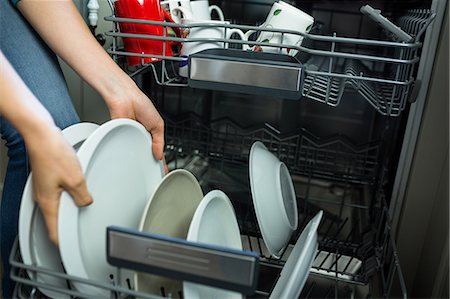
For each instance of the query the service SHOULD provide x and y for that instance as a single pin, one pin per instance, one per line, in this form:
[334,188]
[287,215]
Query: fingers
[78,190]
[49,204]
[49,207]
[157,133]
[166,168]
[158,147]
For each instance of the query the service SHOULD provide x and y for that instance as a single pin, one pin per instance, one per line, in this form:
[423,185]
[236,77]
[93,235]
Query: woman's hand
[53,161]
[55,168]
[128,101]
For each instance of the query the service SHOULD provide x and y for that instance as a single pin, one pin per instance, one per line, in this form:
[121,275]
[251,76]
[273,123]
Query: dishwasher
[337,114]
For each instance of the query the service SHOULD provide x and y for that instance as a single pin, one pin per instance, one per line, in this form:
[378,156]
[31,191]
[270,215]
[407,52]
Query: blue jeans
[38,67]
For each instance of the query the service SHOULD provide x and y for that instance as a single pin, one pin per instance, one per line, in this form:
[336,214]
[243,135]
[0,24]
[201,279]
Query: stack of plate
[121,173]
[130,190]
[35,246]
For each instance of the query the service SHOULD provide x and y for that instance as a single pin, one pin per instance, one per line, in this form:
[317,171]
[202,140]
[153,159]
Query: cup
[193,10]
[178,9]
[144,10]
[215,32]
[203,11]
[283,16]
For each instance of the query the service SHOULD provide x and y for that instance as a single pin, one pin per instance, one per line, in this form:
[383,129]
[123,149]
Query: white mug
[178,9]
[203,11]
[284,16]
[215,32]
[193,10]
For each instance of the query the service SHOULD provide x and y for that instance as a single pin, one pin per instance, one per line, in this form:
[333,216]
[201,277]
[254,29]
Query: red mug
[144,10]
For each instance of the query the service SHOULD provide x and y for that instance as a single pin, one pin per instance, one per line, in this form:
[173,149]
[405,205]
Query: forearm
[64,30]
[19,105]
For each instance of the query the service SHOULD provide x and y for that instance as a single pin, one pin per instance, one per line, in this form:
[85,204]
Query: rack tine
[328,293]
[309,290]
[348,264]
[113,282]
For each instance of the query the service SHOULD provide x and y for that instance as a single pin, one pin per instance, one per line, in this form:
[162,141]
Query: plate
[35,246]
[273,198]
[121,173]
[169,212]
[214,223]
[296,269]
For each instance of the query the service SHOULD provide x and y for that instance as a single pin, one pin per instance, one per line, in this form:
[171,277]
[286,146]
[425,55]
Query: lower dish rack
[342,268]
[357,254]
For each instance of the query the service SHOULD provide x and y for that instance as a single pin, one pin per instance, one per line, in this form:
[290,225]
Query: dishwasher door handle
[183,260]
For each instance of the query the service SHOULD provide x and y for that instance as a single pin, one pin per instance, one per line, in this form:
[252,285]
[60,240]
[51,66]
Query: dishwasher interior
[340,140]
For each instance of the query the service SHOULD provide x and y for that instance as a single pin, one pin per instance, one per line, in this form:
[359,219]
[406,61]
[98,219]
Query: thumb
[158,141]
[79,193]
[158,147]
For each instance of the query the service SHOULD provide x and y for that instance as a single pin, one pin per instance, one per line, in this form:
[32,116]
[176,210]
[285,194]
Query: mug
[178,9]
[283,16]
[144,10]
[203,11]
[193,10]
[215,32]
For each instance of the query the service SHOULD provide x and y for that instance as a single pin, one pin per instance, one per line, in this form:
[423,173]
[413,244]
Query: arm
[63,29]
[53,161]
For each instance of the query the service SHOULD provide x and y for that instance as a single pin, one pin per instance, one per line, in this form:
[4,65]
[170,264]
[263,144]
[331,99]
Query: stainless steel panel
[243,73]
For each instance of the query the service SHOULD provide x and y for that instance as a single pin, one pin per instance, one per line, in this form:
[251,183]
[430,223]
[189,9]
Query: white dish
[214,223]
[121,173]
[273,198]
[35,246]
[296,269]
[169,212]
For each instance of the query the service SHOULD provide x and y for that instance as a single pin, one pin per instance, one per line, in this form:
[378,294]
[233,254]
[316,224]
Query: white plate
[273,198]
[121,173]
[169,212]
[296,269]
[35,246]
[214,223]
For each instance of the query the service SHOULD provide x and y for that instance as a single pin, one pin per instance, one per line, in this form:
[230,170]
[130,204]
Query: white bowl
[214,223]
[273,197]
[35,246]
[169,212]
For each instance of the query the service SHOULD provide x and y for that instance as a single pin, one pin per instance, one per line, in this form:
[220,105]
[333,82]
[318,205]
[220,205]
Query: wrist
[36,130]
[117,88]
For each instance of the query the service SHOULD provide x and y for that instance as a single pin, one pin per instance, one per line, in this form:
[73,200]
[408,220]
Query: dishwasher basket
[381,71]
[357,254]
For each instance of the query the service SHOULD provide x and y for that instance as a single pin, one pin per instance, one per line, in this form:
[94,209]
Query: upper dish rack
[381,71]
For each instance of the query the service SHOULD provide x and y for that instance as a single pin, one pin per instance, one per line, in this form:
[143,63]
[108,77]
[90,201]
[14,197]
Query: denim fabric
[14,2]
[38,67]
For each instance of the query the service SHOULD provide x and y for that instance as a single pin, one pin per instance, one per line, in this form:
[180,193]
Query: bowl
[273,198]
